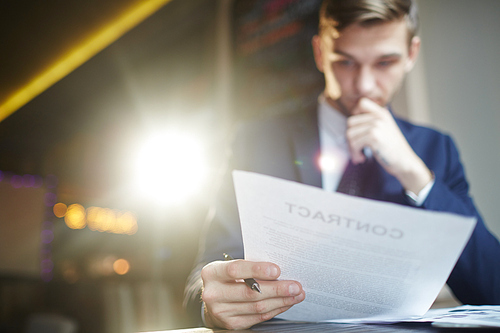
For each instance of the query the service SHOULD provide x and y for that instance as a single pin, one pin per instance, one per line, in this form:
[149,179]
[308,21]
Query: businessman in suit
[364,49]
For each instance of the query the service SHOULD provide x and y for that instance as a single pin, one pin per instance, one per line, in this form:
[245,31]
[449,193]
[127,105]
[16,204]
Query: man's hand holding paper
[229,302]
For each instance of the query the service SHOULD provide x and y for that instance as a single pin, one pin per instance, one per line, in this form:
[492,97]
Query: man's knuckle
[259,307]
[266,316]
[258,269]
[208,296]
[251,294]
[232,270]
[281,290]
[287,301]
[206,273]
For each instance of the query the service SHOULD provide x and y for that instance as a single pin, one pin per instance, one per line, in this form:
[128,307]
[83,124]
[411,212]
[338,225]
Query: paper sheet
[358,260]
[465,316]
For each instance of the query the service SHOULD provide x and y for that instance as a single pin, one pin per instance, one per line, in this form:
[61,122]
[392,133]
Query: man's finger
[358,138]
[240,292]
[366,105]
[263,305]
[360,131]
[360,119]
[239,270]
[242,269]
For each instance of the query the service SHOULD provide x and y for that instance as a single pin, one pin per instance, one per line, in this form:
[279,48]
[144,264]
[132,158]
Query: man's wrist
[416,178]
[417,199]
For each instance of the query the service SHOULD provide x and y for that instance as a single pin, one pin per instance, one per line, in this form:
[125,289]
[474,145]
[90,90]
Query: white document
[358,260]
[465,316]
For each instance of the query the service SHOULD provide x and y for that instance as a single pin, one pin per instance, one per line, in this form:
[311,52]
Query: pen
[249,282]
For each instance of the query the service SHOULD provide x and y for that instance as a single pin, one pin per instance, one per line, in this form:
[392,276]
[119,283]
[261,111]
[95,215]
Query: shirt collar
[331,120]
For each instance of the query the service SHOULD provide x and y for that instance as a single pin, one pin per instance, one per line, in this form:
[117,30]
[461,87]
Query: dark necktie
[352,180]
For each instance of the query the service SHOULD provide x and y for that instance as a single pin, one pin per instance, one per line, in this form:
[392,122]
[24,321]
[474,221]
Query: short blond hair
[338,14]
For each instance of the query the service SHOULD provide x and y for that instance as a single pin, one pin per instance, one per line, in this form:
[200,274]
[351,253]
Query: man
[364,49]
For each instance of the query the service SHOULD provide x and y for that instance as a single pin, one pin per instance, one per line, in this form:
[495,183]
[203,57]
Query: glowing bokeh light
[92,213]
[75,217]
[106,266]
[97,218]
[29,181]
[47,236]
[69,270]
[170,167]
[121,266]
[16,181]
[70,275]
[126,223]
[50,199]
[60,209]
[111,220]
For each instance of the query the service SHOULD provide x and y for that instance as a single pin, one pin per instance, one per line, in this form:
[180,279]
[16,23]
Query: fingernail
[272,271]
[293,289]
[299,298]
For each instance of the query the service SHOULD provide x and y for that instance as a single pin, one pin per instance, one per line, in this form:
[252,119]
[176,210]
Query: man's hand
[231,304]
[373,126]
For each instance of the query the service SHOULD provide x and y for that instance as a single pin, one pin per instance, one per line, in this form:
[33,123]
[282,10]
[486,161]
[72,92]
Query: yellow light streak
[79,55]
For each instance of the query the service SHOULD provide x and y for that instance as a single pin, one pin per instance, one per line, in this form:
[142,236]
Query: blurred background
[115,117]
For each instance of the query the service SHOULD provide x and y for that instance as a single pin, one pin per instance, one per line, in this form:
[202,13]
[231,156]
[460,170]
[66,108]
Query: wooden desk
[327,327]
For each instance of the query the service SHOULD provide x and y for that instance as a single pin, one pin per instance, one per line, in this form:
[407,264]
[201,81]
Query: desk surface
[339,328]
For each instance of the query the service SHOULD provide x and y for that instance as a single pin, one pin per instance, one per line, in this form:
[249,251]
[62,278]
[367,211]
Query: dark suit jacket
[288,147]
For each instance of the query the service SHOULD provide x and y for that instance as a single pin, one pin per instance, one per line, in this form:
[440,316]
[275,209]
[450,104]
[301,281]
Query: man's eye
[345,63]
[385,63]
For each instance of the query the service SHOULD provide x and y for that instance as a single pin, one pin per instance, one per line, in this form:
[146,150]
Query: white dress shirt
[334,149]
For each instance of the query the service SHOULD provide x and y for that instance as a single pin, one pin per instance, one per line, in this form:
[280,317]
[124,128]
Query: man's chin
[345,107]
[339,105]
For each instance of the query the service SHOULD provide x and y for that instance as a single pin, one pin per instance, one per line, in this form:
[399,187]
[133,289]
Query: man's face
[365,62]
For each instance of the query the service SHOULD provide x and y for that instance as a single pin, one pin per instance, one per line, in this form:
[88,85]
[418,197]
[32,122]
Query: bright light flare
[328,163]
[170,167]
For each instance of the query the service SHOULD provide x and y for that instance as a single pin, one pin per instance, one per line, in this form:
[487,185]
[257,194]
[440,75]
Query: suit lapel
[305,136]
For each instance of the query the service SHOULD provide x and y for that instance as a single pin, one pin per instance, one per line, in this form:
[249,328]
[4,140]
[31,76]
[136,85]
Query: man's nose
[365,81]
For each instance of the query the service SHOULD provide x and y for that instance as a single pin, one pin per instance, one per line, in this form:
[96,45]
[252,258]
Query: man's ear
[413,52]
[318,58]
